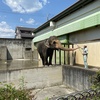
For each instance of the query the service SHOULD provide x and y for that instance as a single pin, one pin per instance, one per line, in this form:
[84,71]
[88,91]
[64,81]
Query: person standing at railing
[85,56]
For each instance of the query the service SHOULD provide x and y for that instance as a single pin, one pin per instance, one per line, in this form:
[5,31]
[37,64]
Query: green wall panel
[80,24]
[63,39]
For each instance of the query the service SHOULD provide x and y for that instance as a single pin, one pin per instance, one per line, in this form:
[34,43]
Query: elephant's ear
[47,43]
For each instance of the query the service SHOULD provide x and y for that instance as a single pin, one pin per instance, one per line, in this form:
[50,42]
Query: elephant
[46,47]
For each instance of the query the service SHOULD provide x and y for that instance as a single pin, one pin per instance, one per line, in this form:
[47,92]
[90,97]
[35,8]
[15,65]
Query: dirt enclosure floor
[51,92]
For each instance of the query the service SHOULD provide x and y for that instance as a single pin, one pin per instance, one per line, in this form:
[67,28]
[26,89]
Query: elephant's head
[54,43]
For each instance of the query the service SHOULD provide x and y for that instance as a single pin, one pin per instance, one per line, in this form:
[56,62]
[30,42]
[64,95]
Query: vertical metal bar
[64,56]
[60,57]
[72,55]
[55,57]
[68,55]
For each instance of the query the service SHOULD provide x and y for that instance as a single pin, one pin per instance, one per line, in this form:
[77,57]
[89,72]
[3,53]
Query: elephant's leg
[45,59]
[42,58]
[50,58]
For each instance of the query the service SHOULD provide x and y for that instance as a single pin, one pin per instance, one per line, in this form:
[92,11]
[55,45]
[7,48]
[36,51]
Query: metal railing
[83,95]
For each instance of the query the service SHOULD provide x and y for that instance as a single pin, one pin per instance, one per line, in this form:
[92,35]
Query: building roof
[25,35]
[24,28]
[64,13]
[25,32]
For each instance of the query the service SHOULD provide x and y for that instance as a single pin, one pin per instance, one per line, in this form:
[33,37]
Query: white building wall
[93,54]
[91,38]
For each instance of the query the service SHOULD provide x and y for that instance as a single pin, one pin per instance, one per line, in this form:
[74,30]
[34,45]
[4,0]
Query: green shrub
[96,85]
[96,81]
[9,92]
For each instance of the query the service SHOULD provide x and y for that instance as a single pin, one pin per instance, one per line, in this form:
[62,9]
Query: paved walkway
[55,91]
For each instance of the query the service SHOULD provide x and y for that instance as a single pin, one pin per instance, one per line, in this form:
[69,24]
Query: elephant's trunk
[56,44]
[67,49]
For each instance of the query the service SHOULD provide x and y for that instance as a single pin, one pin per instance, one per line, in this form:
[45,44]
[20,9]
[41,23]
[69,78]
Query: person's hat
[85,45]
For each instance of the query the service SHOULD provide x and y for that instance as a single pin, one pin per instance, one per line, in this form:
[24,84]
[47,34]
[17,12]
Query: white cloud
[45,2]
[6,31]
[21,19]
[30,21]
[25,6]
[3,16]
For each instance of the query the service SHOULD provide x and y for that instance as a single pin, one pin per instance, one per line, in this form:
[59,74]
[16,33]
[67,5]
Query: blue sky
[28,13]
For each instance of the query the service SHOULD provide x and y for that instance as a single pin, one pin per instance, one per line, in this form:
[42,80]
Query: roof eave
[64,13]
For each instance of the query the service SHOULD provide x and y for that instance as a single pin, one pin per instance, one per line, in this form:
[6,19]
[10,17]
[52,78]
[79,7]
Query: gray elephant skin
[46,47]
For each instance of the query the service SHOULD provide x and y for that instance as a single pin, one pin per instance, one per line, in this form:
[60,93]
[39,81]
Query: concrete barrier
[3,53]
[16,48]
[77,77]
[41,77]
[33,78]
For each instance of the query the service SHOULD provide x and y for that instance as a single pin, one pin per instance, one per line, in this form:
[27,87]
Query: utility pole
[48,16]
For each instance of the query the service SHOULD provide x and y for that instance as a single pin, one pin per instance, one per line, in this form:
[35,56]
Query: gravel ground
[49,92]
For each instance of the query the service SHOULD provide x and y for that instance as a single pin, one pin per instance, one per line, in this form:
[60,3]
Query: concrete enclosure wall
[17,48]
[34,78]
[77,77]
[3,53]
[41,77]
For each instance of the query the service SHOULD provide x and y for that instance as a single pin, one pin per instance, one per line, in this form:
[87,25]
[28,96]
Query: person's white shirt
[85,51]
